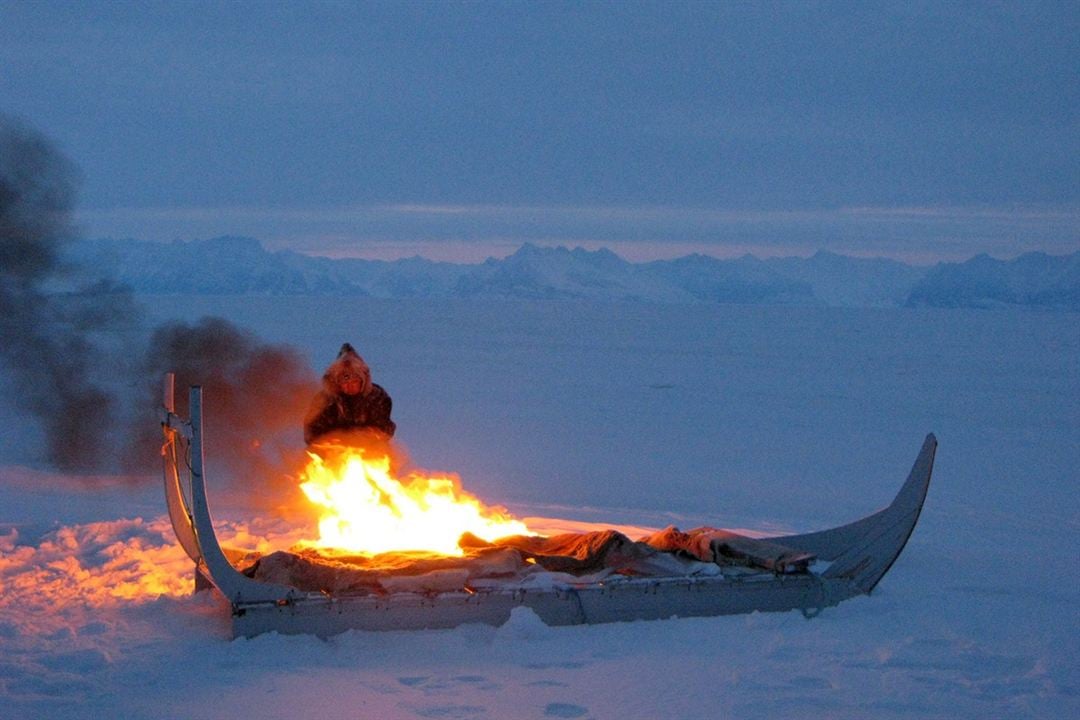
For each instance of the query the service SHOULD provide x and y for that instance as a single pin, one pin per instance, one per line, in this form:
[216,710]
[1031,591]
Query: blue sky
[913,130]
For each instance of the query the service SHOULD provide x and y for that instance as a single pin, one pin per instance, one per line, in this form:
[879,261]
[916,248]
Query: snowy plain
[763,417]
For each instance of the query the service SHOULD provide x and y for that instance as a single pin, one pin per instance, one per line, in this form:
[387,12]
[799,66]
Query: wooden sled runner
[850,560]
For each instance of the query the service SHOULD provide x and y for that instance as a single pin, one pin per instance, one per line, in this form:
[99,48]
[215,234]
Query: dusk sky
[920,131]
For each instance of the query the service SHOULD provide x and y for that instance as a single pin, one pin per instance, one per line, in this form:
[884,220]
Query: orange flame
[365,509]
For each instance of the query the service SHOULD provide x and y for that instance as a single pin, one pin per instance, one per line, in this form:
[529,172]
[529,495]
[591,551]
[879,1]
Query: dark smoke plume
[71,355]
[254,396]
[46,332]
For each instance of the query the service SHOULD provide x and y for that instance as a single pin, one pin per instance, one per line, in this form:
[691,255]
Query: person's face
[350,383]
[353,381]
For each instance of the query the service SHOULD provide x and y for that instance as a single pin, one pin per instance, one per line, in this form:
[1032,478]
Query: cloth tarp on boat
[570,558]
[725,547]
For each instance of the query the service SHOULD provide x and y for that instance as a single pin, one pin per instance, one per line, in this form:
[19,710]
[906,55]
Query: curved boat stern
[868,558]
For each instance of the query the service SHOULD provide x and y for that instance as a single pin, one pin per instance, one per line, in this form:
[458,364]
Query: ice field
[762,417]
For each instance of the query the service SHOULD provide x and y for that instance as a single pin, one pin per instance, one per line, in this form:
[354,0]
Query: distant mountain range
[239,265]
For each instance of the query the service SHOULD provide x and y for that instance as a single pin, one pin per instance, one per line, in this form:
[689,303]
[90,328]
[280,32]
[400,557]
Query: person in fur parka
[348,400]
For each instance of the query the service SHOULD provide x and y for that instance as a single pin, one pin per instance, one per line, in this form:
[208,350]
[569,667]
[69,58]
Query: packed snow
[769,418]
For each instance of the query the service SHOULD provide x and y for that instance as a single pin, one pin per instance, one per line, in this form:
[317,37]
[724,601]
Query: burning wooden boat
[795,572]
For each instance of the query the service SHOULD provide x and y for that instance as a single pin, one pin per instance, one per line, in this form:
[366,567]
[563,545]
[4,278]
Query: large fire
[366,509]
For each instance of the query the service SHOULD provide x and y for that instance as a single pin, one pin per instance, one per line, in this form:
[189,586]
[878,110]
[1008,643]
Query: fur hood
[348,362]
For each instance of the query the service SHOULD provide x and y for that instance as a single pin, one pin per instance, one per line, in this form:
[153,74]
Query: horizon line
[393,252]
[471,233]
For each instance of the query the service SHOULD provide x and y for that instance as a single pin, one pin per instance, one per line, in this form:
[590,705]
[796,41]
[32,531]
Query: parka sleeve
[379,410]
[320,417]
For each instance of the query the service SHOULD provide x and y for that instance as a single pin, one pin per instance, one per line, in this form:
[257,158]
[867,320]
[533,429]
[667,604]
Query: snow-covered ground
[769,418]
